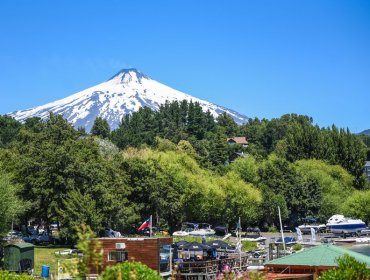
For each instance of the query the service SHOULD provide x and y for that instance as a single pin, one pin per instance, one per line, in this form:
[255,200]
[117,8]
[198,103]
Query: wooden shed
[153,252]
[19,257]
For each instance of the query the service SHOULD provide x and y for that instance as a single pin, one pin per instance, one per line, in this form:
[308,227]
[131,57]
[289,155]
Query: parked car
[30,238]
[221,230]
[43,238]
[147,231]
[13,235]
[111,233]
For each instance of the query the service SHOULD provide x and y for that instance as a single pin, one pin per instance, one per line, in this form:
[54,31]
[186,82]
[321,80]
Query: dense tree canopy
[176,165]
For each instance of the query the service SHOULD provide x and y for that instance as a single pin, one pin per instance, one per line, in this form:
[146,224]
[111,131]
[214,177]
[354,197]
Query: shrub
[348,269]
[297,247]
[249,245]
[6,275]
[130,270]
[272,229]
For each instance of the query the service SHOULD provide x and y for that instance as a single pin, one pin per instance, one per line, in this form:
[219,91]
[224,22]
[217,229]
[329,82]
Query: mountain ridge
[124,93]
[365,132]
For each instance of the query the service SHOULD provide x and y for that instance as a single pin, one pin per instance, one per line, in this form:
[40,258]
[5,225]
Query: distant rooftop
[238,140]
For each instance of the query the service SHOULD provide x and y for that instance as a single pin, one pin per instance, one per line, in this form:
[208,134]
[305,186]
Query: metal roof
[21,245]
[322,255]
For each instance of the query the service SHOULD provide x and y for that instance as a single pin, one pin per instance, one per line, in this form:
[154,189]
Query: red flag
[145,225]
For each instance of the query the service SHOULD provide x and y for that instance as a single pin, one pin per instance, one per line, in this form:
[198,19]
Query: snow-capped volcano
[122,94]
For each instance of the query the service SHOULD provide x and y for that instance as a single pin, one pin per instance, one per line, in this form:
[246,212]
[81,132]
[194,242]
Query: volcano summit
[122,94]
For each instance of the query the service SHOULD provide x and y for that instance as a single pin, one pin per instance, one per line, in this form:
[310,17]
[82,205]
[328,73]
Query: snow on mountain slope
[124,93]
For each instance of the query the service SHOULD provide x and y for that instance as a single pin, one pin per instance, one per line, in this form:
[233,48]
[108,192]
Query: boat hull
[180,233]
[307,228]
[202,232]
[346,228]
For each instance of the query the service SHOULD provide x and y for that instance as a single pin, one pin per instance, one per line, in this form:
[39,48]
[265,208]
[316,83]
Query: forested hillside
[174,164]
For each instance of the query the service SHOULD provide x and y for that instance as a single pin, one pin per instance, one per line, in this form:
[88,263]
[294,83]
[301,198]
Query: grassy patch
[297,247]
[187,238]
[46,255]
[249,246]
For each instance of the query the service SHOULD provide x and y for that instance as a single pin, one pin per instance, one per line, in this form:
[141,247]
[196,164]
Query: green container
[19,257]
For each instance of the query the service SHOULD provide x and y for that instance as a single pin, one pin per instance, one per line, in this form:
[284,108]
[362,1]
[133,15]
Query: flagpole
[240,242]
[281,229]
[150,225]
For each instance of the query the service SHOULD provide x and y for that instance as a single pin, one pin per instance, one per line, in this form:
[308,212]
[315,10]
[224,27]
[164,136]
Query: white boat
[346,240]
[202,229]
[341,224]
[365,232]
[311,222]
[307,227]
[180,233]
[254,239]
[363,240]
[186,228]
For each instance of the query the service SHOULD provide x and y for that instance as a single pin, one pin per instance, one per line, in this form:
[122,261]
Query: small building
[313,261]
[238,140]
[19,257]
[233,156]
[153,252]
[367,170]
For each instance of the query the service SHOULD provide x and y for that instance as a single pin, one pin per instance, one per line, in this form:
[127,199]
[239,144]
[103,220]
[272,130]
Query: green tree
[357,205]
[51,163]
[100,128]
[78,209]
[348,269]
[228,124]
[301,194]
[218,149]
[10,205]
[333,183]
[247,168]
[269,208]
[9,129]
[172,186]
[92,252]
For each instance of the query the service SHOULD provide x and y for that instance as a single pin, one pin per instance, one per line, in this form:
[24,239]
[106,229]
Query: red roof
[238,140]
[277,276]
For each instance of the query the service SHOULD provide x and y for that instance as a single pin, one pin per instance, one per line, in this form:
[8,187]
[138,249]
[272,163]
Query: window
[118,256]
[165,259]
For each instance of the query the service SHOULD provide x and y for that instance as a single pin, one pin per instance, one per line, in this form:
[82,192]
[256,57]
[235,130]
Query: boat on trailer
[195,229]
[202,229]
[341,224]
[311,222]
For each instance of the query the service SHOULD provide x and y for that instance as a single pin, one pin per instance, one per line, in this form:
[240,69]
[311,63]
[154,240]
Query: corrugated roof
[322,255]
[21,245]
[367,163]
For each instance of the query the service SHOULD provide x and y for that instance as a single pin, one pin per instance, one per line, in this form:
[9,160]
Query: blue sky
[260,58]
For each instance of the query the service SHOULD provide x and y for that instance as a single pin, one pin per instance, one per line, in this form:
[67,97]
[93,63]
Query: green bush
[130,270]
[6,275]
[272,229]
[249,245]
[297,247]
[188,238]
[348,269]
